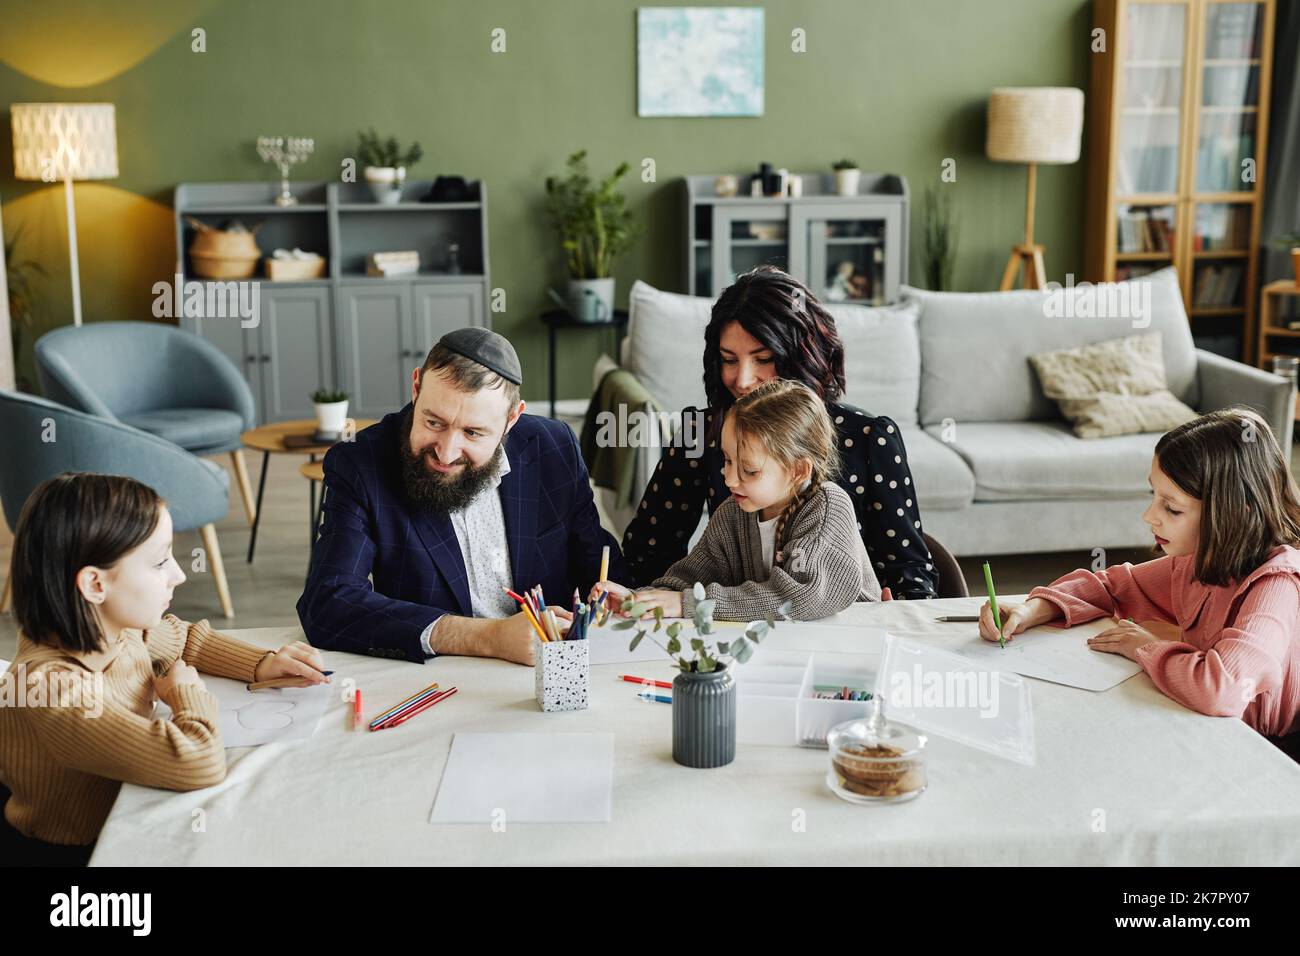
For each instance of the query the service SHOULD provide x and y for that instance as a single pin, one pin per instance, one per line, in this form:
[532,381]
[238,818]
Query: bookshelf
[1178,116]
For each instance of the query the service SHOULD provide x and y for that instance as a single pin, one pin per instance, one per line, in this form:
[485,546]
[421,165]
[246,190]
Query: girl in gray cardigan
[788,533]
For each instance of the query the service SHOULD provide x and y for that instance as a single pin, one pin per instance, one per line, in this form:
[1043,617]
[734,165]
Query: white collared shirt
[487,561]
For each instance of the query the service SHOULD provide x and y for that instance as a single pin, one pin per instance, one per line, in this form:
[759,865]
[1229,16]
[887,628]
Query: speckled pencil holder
[562,672]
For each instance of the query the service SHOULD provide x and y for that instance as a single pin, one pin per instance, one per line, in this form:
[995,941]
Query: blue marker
[652,698]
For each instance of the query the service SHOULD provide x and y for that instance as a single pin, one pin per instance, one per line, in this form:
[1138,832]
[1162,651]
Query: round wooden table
[270,440]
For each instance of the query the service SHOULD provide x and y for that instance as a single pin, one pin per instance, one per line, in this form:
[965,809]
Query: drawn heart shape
[266,714]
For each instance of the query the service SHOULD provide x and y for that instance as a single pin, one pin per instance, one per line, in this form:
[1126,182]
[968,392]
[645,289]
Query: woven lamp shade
[1035,124]
[54,141]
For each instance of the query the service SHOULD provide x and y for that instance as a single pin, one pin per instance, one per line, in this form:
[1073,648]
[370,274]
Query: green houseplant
[385,164]
[19,276]
[595,227]
[704,693]
[331,410]
[847,176]
[938,240]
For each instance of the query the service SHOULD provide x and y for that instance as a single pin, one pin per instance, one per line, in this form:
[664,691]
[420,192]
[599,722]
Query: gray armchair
[45,439]
[154,377]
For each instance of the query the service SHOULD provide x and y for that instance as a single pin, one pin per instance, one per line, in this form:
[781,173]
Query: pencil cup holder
[562,673]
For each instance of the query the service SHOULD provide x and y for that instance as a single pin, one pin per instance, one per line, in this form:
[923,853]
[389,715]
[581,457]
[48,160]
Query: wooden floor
[266,591]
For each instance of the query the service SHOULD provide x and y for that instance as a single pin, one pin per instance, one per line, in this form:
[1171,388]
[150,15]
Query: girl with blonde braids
[788,533]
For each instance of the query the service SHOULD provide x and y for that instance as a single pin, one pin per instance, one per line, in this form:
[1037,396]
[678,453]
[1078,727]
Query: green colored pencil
[993,603]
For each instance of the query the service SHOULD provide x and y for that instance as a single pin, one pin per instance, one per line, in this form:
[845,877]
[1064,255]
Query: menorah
[285,153]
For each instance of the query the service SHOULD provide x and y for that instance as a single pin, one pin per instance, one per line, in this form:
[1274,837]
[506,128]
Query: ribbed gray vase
[704,719]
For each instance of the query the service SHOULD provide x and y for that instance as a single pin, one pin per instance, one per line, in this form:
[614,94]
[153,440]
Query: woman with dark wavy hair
[768,325]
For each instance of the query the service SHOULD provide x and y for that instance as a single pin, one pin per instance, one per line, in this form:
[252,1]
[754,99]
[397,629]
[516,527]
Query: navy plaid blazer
[414,559]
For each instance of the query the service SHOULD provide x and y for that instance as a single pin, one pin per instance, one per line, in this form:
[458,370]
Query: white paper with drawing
[1059,655]
[250,718]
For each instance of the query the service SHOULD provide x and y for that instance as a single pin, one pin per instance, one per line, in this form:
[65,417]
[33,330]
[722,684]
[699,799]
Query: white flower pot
[386,183]
[331,417]
[846,181]
[591,300]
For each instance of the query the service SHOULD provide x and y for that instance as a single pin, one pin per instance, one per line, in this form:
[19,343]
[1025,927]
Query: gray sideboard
[346,330]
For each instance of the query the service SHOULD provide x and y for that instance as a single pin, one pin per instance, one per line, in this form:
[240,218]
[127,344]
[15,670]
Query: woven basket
[291,270]
[220,254]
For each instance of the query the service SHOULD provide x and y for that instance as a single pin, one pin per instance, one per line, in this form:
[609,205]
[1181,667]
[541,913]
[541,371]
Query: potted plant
[385,165]
[1291,240]
[595,228]
[847,175]
[331,410]
[938,240]
[19,274]
[704,693]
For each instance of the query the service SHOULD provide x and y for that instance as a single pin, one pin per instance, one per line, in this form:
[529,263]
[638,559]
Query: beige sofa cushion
[1112,388]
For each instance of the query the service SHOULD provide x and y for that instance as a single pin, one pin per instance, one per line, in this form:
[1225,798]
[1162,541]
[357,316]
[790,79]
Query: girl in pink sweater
[1226,513]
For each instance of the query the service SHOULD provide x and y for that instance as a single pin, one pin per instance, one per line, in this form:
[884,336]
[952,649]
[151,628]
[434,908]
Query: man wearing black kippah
[432,513]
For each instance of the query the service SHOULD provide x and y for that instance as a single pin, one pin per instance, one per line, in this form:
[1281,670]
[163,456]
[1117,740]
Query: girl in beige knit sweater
[92,575]
[788,533]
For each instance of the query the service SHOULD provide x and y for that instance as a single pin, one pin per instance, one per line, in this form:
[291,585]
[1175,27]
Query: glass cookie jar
[875,761]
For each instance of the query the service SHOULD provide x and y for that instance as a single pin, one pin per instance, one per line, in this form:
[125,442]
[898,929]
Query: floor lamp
[67,141]
[1033,125]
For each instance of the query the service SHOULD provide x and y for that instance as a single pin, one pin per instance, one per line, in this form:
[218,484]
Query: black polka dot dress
[873,470]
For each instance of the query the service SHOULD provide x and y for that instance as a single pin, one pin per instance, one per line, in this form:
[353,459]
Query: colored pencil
[993,604]
[532,618]
[393,710]
[399,711]
[407,715]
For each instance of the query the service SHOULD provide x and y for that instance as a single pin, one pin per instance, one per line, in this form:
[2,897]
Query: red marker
[643,680]
[356,709]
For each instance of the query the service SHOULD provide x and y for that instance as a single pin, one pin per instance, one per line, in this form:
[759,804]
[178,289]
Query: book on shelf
[1144,232]
[1217,286]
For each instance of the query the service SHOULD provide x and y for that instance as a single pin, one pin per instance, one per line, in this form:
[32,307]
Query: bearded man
[432,513]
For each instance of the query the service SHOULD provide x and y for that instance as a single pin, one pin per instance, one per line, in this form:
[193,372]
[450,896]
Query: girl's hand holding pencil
[615,595]
[1016,617]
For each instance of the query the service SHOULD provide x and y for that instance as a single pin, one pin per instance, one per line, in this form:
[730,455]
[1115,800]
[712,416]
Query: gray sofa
[996,469]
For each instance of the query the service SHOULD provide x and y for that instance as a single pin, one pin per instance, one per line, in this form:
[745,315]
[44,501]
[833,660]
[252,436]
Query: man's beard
[444,493]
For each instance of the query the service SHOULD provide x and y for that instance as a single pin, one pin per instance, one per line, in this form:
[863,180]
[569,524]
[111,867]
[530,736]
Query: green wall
[897,84]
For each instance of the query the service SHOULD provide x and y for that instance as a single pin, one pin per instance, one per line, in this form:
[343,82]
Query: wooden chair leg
[245,486]
[7,595]
[1040,273]
[1012,270]
[217,568]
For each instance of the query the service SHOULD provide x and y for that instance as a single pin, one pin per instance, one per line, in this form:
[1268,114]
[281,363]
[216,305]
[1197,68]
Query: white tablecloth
[1122,777]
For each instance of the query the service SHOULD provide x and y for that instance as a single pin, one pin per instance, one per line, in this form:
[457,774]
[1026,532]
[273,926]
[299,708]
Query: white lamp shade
[1035,124]
[54,141]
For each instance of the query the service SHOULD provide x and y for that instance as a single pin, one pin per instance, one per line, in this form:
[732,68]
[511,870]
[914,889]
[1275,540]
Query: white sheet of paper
[250,718]
[1059,655]
[530,778]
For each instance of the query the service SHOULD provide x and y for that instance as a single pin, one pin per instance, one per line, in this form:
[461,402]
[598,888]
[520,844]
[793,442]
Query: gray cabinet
[842,251]
[347,329]
[844,248]
[439,307]
[287,355]
[296,350]
[377,346]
